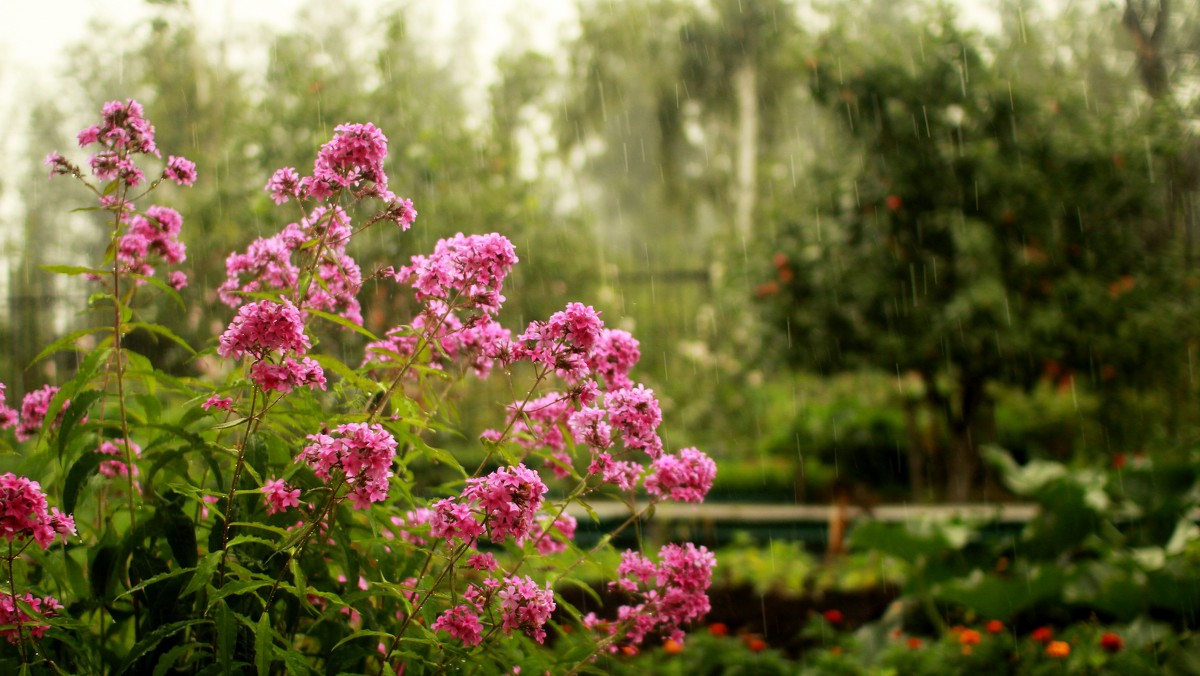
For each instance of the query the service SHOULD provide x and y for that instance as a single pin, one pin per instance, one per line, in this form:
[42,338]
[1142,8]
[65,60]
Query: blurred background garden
[885,259]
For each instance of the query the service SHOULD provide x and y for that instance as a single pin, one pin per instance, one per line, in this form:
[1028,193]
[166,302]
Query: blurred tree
[988,232]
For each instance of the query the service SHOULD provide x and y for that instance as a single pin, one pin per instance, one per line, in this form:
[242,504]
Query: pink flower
[8,416]
[181,170]
[362,453]
[508,498]
[635,413]
[452,520]
[116,468]
[23,512]
[686,477]
[546,542]
[484,562]
[354,154]
[623,474]
[59,166]
[289,374]
[218,402]
[614,356]
[525,607]
[177,280]
[34,408]
[284,184]
[470,269]
[262,327]
[671,593]
[279,496]
[462,623]
[21,625]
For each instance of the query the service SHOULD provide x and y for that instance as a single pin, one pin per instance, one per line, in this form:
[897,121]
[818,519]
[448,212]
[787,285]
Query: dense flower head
[180,170]
[8,416]
[123,127]
[362,453]
[116,448]
[538,423]
[462,623]
[589,427]
[157,233]
[20,625]
[613,357]
[454,520]
[670,593]
[484,562]
[624,474]
[525,607]
[470,269]
[1111,642]
[262,327]
[354,154]
[508,498]
[635,412]
[686,477]
[24,513]
[279,496]
[563,342]
[284,184]
[1058,650]
[34,407]
[287,375]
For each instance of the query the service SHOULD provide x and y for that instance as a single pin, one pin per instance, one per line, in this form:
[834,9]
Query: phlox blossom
[686,477]
[279,496]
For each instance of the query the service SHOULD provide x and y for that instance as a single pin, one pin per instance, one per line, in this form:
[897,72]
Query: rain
[918,277]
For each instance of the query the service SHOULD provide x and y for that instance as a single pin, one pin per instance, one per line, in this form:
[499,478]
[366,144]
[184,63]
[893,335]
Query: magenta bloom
[484,562]
[686,477]
[635,412]
[34,408]
[525,607]
[553,538]
[468,268]
[8,416]
[116,468]
[218,402]
[288,374]
[509,498]
[181,170]
[21,625]
[672,593]
[362,453]
[124,126]
[262,327]
[614,356]
[24,514]
[462,623]
[279,496]
[284,185]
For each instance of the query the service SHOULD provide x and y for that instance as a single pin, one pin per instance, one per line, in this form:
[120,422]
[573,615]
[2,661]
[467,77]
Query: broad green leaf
[74,270]
[154,638]
[82,469]
[342,322]
[263,644]
[204,572]
[67,342]
[159,330]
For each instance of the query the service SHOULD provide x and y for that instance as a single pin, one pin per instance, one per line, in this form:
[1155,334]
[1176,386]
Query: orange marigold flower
[1111,642]
[756,644]
[969,637]
[671,647]
[914,643]
[718,629]
[1058,650]
[1042,634]
[994,627]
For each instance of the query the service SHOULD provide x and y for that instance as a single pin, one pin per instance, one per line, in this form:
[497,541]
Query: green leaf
[167,662]
[81,470]
[66,342]
[204,572]
[74,270]
[226,637]
[153,581]
[163,331]
[363,633]
[154,638]
[162,286]
[80,404]
[342,322]
[263,644]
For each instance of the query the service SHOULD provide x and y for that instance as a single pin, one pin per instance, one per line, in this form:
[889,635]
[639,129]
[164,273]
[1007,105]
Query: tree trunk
[745,91]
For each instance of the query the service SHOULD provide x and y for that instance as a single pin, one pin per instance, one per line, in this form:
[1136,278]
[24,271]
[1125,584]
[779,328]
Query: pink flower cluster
[354,154]
[552,538]
[267,265]
[287,375]
[262,327]
[686,477]
[464,270]
[362,453]
[525,607]
[24,514]
[448,337]
[8,416]
[672,593]
[279,496]
[563,342]
[508,499]
[34,408]
[20,625]
[462,623]
[155,233]
[116,468]
[124,127]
